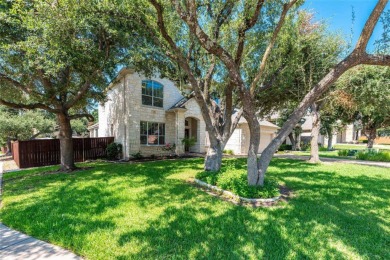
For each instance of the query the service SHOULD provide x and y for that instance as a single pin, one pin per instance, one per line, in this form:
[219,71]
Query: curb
[231,194]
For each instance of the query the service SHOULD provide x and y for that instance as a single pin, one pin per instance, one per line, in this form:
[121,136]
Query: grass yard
[329,154]
[149,211]
[359,146]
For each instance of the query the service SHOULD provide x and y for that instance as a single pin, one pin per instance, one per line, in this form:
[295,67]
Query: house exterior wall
[239,141]
[193,111]
[124,111]
[121,114]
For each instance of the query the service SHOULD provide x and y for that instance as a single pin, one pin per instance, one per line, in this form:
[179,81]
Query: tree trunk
[292,140]
[315,131]
[298,142]
[254,176]
[66,143]
[213,159]
[371,135]
[9,147]
[330,138]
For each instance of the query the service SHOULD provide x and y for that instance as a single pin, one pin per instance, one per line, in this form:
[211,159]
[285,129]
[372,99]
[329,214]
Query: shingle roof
[180,103]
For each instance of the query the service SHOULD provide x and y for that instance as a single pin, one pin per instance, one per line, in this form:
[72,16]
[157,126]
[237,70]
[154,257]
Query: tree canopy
[59,56]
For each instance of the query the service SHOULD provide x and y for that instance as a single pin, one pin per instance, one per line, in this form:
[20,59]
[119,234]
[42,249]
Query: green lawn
[359,146]
[329,154]
[149,211]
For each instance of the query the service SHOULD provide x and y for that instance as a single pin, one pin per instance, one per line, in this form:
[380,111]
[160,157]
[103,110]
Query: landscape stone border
[235,196]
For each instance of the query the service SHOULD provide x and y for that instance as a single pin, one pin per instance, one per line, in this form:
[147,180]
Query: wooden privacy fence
[36,153]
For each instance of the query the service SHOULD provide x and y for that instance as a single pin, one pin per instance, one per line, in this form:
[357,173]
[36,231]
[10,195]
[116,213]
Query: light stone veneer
[121,114]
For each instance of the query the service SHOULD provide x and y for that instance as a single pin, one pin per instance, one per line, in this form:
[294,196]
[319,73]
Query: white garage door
[265,139]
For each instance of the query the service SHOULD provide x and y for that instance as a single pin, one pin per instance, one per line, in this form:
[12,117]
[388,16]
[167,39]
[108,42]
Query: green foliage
[234,179]
[59,56]
[137,155]
[342,152]
[113,151]
[285,147]
[322,148]
[367,94]
[228,151]
[80,126]
[189,141]
[305,52]
[373,155]
[24,125]
[347,152]
[305,146]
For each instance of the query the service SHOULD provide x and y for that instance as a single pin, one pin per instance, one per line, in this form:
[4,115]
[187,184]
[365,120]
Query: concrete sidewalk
[16,245]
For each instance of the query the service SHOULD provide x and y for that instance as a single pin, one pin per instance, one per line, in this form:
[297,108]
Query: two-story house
[147,115]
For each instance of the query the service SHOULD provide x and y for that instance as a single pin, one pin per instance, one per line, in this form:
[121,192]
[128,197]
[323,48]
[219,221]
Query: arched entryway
[191,131]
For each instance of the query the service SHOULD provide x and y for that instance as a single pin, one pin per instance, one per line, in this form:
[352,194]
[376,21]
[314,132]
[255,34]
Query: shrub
[305,146]
[285,147]
[365,141]
[230,152]
[322,149]
[113,151]
[373,155]
[352,152]
[208,176]
[137,155]
[235,180]
[342,152]
[188,141]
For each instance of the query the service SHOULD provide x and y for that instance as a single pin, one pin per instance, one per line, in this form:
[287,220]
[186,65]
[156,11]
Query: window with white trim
[152,133]
[152,93]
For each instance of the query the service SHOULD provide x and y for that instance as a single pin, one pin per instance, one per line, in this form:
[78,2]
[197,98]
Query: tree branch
[248,24]
[28,106]
[379,60]
[370,25]
[76,116]
[17,84]
[267,53]
[206,42]
[81,93]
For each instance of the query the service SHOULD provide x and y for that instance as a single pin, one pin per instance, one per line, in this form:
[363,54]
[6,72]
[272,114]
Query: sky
[338,15]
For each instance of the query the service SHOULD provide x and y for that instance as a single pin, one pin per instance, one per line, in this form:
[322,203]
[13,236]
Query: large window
[152,133]
[152,93]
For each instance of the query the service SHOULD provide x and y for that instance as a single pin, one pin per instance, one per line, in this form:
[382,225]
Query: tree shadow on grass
[332,216]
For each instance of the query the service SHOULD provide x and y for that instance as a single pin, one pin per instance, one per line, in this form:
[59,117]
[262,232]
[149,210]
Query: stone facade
[121,114]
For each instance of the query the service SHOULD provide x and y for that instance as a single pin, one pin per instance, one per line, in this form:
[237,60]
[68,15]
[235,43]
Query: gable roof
[180,103]
[262,122]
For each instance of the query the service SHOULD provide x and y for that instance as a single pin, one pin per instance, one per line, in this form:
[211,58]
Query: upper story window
[152,93]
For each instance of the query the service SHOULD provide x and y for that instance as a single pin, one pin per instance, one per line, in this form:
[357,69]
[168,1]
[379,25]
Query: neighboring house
[349,133]
[148,115]
[93,130]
